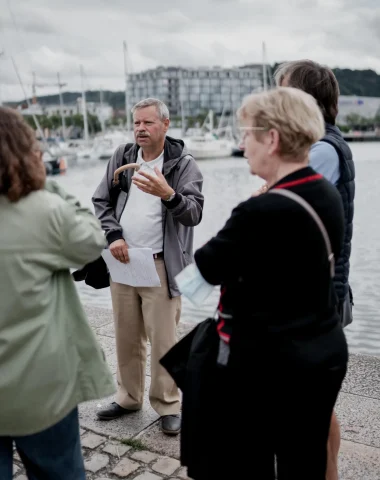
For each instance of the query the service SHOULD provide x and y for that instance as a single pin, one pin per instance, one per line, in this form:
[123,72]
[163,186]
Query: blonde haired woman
[266,403]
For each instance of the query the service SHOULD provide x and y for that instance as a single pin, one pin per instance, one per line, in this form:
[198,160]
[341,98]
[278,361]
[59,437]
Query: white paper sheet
[193,286]
[139,272]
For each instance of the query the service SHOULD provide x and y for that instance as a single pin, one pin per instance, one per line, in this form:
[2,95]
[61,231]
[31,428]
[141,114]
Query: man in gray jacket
[156,207]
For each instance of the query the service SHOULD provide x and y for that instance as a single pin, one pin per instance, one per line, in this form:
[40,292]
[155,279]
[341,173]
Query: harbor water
[226,183]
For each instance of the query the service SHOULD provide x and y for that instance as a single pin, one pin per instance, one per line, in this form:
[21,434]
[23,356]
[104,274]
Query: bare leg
[333,445]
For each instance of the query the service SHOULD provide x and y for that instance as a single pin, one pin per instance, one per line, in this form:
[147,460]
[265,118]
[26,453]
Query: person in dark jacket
[278,322]
[332,157]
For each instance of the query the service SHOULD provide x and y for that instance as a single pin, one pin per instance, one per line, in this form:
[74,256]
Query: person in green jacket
[49,356]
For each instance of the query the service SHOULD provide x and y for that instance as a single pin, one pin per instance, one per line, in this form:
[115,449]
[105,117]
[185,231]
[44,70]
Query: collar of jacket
[329,128]
[174,151]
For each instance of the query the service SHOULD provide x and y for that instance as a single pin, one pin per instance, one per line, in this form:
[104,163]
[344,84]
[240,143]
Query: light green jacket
[50,360]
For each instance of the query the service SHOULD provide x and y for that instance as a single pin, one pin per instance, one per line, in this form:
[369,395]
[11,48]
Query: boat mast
[84,107]
[126,75]
[102,122]
[181,95]
[35,119]
[60,85]
[265,82]
[1,54]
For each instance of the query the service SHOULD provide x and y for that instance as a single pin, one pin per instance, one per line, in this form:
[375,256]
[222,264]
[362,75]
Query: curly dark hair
[22,170]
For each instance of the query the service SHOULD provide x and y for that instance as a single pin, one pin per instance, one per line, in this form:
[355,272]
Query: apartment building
[194,91]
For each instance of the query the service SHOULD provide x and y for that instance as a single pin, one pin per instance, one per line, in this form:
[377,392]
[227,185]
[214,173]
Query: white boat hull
[209,149]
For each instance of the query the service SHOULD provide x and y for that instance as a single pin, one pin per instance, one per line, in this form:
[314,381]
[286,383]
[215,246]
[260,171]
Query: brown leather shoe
[170,424]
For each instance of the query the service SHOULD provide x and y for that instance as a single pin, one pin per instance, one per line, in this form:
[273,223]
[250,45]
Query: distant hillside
[362,83]
[115,99]
[365,83]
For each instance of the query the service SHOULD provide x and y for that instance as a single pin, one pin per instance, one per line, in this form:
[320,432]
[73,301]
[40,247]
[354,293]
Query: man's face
[149,129]
[285,81]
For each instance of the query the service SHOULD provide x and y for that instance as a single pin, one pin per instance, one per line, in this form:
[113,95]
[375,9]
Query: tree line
[54,122]
[365,83]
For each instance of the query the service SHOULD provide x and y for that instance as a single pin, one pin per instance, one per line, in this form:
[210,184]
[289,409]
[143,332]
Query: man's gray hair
[162,109]
[282,71]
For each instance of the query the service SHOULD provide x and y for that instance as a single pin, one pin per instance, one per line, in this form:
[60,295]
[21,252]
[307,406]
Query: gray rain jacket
[179,217]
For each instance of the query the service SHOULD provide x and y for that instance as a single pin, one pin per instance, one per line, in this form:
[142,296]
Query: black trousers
[248,426]
[301,406]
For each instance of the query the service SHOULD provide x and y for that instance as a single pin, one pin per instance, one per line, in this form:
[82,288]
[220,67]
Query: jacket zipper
[163,252]
[163,244]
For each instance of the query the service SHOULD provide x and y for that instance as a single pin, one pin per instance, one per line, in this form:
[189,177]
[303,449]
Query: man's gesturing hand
[156,186]
[119,250]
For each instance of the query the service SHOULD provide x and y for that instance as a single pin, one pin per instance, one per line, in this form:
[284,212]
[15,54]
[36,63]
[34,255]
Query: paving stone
[116,449]
[155,441]
[16,456]
[98,317]
[127,426]
[82,431]
[147,476]
[96,462]
[16,469]
[91,440]
[125,467]
[166,465]
[358,462]
[107,330]
[21,477]
[359,419]
[182,474]
[144,456]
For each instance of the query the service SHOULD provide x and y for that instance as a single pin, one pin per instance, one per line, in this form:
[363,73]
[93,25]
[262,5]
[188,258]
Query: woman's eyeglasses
[245,130]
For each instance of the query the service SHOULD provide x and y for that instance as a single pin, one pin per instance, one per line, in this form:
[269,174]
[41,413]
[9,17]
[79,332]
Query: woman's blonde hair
[21,169]
[292,112]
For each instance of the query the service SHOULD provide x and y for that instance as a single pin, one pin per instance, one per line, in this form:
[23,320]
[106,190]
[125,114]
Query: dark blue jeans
[53,454]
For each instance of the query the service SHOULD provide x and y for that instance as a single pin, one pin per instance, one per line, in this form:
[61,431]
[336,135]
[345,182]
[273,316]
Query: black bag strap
[296,198]
[120,160]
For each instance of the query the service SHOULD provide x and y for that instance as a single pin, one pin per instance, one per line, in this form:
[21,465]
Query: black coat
[271,259]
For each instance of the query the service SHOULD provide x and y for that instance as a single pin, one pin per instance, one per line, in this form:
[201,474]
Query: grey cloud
[63,34]
[29,25]
[172,21]
[15,17]
[358,33]
[368,4]
[186,55]
[7,76]
[373,24]
[180,54]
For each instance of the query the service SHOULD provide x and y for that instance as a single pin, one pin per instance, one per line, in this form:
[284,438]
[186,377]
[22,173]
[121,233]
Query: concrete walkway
[134,448]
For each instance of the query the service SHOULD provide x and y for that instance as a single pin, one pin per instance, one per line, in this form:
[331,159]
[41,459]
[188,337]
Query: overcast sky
[60,35]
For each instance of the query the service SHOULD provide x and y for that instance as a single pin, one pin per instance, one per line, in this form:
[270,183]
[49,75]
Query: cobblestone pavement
[107,459]
[134,448]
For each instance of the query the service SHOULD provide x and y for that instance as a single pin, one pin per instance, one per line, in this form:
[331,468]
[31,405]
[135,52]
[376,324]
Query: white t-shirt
[141,220]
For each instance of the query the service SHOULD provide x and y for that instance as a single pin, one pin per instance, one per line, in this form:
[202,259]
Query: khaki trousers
[142,313]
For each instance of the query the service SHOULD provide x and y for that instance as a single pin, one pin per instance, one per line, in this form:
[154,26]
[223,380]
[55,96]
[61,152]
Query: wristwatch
[170,197]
